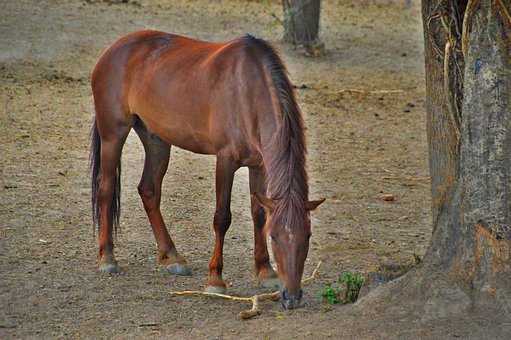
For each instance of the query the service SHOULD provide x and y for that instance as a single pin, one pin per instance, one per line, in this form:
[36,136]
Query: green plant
[344,290]
[353,282]
[330,294]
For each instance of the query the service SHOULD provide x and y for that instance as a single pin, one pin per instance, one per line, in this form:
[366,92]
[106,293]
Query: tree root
[255,310]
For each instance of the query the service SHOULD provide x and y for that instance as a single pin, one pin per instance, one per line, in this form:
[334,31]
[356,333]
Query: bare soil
[361,147]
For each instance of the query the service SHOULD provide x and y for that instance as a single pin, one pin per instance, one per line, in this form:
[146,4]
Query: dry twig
[274,16]
[255,310]
[406,178]
[369,91]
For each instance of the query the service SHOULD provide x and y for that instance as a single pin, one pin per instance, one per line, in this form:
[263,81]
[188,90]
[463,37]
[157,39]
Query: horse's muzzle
[291,301]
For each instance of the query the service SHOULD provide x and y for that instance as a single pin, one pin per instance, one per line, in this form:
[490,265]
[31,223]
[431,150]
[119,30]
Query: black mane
[286,154]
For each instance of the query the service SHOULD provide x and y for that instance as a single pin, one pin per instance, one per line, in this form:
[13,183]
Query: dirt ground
[361,146]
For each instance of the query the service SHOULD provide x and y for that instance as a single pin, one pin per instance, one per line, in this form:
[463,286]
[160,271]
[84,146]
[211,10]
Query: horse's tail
[95,165]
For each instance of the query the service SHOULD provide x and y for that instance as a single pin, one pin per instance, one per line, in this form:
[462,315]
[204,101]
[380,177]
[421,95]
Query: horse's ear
[312,205]
[265,202]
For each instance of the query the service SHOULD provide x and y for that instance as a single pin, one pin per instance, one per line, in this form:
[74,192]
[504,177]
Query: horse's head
[289,229]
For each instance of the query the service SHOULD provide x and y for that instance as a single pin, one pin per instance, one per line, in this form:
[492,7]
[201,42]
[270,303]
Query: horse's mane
[285,155]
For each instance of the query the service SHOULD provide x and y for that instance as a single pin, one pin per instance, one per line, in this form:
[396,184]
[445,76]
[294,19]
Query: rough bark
[441,127]
[472,237]
[301,21]
[467,268]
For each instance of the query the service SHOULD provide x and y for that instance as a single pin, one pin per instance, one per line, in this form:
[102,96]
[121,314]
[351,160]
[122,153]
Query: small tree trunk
[301,22]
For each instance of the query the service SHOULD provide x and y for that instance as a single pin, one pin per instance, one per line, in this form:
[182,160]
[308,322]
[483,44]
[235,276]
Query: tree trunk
[467,268]
[470,147]
[301,21]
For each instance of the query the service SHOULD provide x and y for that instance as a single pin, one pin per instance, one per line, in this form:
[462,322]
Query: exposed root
[255,310]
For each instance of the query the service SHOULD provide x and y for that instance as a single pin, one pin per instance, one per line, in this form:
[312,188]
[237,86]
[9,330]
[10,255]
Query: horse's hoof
[272,283]
[179,269]
[107,267]
[215,289]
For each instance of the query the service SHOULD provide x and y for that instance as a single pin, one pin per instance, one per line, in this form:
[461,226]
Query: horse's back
[142,47]
[187,91]
[115,59]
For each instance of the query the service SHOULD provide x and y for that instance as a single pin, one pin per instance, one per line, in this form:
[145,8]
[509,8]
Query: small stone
[388,197]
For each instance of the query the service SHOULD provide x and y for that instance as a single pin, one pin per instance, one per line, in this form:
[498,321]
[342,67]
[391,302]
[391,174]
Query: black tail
[95,165]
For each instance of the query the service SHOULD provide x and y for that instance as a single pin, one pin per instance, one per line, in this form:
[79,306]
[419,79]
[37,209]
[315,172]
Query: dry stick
[368,91]
[277,18]
[254,311]
[405,178]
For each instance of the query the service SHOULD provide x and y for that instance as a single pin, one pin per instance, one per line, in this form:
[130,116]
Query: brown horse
[233,100]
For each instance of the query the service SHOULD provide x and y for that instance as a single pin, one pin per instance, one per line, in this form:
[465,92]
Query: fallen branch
[369,91]
[149,324]
[277,18]
[255,310]
[406,178]
[309,279]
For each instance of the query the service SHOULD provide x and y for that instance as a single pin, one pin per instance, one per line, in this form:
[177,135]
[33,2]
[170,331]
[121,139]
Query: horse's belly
[181,133]
[181,109]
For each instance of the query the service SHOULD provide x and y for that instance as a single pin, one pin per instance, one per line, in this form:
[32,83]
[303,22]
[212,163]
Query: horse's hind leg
[265,274]
[155,166]
[110,137]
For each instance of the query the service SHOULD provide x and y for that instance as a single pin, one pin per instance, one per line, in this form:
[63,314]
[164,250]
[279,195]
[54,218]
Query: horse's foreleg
[155,167]
[265,274]
[225,169]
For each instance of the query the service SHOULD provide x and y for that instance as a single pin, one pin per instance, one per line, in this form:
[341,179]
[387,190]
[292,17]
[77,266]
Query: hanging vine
[449,50]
